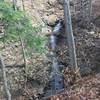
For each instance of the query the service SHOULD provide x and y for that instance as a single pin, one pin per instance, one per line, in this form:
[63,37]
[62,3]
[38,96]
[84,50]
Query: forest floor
[86,87]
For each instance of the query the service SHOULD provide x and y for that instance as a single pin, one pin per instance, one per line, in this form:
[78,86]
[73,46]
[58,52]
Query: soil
[86,87]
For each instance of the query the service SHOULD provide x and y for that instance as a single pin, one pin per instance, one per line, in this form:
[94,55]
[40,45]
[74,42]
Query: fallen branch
[15,66]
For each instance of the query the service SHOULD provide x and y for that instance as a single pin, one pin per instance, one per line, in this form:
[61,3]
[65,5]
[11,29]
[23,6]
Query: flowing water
[56,80]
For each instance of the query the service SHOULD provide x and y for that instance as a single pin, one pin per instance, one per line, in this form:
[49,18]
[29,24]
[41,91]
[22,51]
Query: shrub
[16,23]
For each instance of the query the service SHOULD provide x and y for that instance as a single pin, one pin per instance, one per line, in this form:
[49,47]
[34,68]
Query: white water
[56,78]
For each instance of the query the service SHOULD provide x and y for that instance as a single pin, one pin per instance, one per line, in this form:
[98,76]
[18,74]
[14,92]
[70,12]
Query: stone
[51,19]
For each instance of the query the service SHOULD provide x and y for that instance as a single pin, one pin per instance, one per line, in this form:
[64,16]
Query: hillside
[25,46]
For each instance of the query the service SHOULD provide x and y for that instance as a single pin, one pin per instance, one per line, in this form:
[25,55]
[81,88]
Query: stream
[56,79]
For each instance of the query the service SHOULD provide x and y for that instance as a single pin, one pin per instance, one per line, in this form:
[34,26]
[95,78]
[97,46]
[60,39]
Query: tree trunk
[5,78]
[69,32]
[90,10]
[14,4]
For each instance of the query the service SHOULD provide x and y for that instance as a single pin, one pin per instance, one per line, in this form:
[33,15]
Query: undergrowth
[16,22]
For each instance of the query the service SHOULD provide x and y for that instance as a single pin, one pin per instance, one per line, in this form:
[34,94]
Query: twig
[15,66]
[23,50]
[8,94]
[24,55]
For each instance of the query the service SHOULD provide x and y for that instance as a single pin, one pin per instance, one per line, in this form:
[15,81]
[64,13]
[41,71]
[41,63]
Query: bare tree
[85,7]
[69,31]
[14,4]
[5,78]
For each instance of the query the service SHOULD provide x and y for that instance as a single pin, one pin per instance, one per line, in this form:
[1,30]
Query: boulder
[51,19]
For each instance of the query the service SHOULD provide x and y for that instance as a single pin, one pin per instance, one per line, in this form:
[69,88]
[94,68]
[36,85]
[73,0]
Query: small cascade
[56,79]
